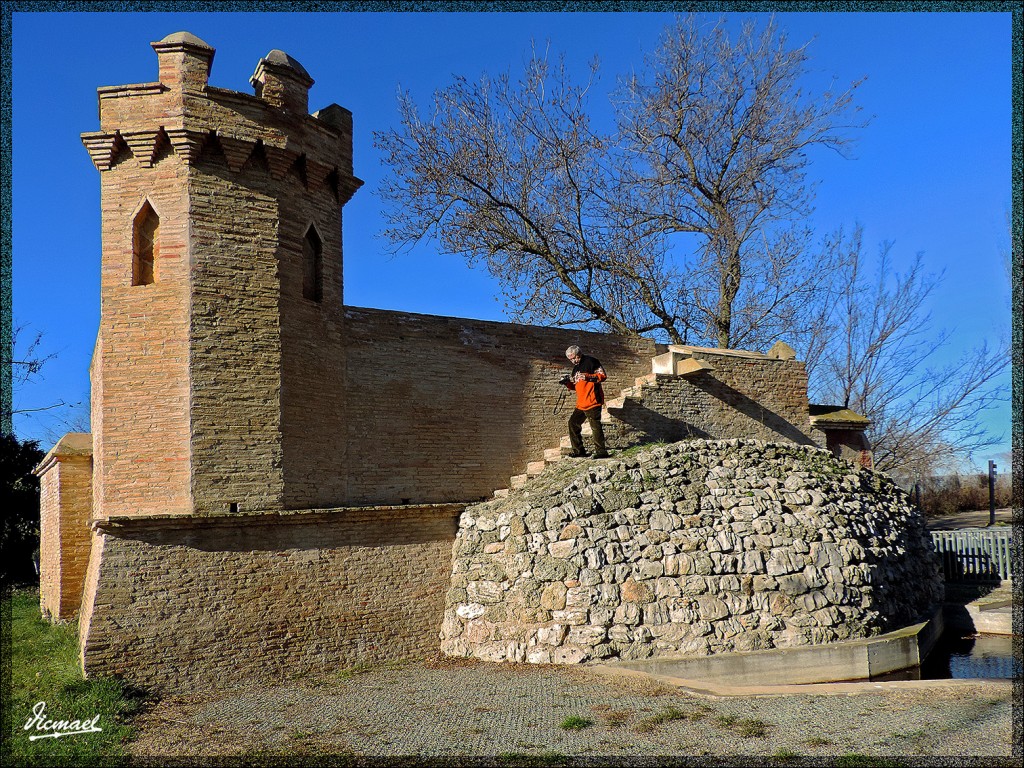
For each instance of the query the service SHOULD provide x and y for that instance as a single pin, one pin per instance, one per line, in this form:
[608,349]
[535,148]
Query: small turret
[185,61]
[282,82]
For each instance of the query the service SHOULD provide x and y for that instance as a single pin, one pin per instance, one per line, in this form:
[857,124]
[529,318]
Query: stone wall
[65,504]
[173,603]
[694,548]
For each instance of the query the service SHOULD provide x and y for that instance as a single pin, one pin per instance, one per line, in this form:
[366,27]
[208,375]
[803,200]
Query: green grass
[746,727]
[575,723]
[44,667]
[633,450]
[817,741]
[667,715]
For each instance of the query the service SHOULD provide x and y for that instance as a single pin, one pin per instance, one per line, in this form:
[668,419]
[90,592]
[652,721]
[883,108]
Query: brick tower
[221,277]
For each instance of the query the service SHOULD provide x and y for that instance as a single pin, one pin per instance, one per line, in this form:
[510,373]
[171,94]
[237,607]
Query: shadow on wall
[653,426]
[339,532]
[750,408]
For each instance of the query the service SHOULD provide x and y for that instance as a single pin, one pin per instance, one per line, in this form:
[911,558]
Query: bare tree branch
[582,228]
[880,362]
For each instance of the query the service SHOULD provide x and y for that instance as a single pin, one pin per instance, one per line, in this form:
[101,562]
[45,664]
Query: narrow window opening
[145,246]
[233,507]
[312,266]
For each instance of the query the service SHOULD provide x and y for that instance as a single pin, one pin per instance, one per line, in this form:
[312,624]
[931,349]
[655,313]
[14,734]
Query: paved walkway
[513,714]
[973,519]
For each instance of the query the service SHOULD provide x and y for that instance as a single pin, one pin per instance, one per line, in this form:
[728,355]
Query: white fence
[974,554]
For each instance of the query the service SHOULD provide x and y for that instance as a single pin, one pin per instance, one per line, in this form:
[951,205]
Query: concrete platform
[797,667]
[989,612]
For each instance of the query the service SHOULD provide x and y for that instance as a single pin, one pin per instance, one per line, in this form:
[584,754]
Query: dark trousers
[592,415]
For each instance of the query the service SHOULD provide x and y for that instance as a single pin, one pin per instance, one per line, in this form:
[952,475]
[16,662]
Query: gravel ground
[513,714]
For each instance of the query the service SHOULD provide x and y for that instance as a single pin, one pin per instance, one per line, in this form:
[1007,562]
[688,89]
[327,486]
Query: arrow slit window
[312,265]
[145,245]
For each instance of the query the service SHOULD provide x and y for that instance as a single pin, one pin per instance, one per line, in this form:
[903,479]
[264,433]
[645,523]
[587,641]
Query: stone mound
[691,549]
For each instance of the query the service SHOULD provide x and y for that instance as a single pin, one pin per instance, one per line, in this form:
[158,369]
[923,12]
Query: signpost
[991,492]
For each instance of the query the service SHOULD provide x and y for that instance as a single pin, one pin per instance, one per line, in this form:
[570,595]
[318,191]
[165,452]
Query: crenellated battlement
[182,116]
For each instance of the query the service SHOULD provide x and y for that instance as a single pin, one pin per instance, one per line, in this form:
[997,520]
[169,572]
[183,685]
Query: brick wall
[141,410]
[65,504]
[218,601]
[746,397]
[447,409]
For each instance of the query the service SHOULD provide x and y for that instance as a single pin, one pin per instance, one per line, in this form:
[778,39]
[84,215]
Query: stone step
[650,378]
[679,361]
[535,468]
[501,493]
[518,481]
[552,455]
[615,404]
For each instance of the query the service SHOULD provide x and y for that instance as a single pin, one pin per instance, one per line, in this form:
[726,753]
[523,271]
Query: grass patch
[633,450]
[667,715]
[817,741]
[347,673]
[613,718]
[45,668]
[575,723]
[745,727]
[786,754]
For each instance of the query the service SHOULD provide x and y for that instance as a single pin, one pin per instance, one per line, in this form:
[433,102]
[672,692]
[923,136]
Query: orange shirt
[589,393]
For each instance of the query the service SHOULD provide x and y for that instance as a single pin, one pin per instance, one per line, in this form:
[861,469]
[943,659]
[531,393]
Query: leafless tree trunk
[719,133]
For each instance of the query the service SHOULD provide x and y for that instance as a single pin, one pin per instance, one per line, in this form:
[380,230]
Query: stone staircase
[677,361]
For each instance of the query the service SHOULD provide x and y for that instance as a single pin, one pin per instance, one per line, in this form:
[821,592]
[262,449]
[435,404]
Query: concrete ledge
[833,662]
[256,517]
[976,619]
[713,689]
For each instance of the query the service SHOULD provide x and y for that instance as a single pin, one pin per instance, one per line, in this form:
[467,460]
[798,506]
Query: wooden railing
[974,554]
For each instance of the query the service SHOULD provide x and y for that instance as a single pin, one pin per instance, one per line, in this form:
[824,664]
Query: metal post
[991,492]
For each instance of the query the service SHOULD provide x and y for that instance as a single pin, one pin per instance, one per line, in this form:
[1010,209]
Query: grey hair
[573,350]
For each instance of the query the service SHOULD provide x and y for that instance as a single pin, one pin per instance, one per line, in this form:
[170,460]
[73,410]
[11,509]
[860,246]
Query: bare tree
[510,174]
[720,132]
[575,223]
[881,362]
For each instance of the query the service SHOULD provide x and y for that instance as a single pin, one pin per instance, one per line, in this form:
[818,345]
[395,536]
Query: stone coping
[837,417]
[686,349]
[273,517]
[796,669]
[120,91]
[73,444]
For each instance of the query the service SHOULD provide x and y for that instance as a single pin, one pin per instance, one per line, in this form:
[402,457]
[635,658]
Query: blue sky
[930,173]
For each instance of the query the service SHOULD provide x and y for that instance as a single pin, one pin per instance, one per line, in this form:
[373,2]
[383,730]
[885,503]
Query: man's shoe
[602,455]
[578,455]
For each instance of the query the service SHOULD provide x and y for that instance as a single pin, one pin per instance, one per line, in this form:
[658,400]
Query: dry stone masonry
[692,548]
